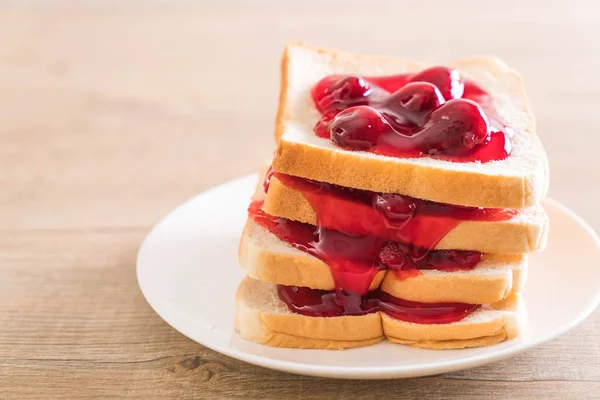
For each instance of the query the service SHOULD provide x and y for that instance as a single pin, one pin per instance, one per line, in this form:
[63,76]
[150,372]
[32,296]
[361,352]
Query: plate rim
[358,372]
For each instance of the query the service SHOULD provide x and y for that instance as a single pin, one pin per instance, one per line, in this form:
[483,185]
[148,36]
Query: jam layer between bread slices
[359,233]
[324,303]
[385,215]
[433,113]
[355,260]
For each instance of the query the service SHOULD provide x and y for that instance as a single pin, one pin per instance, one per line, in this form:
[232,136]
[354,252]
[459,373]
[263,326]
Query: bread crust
[285,329]
[518,235]
[487,286]
[453,344]
[282,115]
[413,177]
[467,188]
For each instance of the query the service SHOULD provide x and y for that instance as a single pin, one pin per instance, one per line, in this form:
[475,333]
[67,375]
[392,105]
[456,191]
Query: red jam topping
[432,113]
[355,260]
[391,216]
[360,232]
[323,303]
[270,172]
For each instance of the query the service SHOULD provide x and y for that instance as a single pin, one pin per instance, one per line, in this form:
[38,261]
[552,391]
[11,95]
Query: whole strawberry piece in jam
[322,126]
[336,93]
[446,79]
[397,209]
[459,125]
[358,128]
[414,102]
[395,257]
[323,87]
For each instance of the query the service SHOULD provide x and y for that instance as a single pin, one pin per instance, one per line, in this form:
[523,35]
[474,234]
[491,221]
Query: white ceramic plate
[188,271]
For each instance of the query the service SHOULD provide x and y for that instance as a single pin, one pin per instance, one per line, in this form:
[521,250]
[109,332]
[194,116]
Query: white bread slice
[267,258]
[494,279]
[263,318]
[490,325]
[526,232]
[519,181]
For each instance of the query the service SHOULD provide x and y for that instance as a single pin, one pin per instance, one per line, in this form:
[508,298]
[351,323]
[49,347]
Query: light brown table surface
[111,115]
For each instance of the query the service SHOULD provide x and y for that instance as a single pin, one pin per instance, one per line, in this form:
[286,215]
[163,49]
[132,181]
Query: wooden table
[111,115]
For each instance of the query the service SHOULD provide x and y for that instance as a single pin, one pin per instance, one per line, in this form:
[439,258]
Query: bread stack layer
[400,204]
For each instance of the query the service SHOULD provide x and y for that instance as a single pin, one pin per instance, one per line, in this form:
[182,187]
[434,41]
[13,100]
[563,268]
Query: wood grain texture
[111,115]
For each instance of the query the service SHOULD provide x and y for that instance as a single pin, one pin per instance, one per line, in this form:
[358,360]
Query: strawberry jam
[354,260]
[390,216]
[270,172]
[433,113]
[323,303]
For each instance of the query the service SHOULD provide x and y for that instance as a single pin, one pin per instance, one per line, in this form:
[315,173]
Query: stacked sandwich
[400,204]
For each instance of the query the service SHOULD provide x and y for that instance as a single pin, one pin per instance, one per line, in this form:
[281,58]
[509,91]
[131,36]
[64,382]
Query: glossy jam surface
[390,216]
[270,172]
[354,260]
[433,113]
[322,303]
